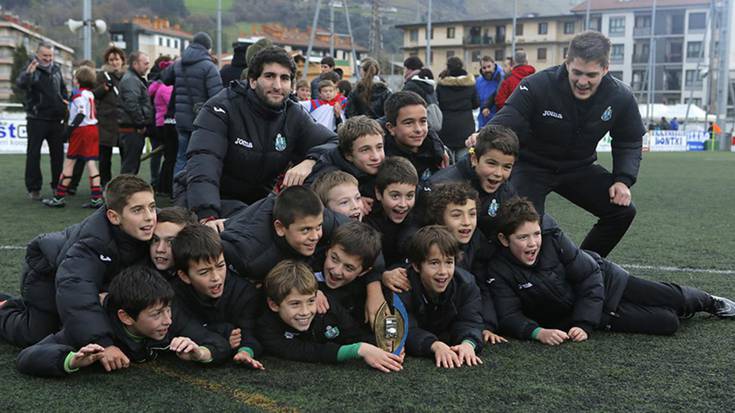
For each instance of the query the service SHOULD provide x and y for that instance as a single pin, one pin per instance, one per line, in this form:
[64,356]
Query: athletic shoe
[34,195]
[723,307]
[71,191]
[93,203]
[54,202]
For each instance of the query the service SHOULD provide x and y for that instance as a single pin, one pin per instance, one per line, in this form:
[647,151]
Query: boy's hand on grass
[576,334]
[552,337]
[322,303]
[396,280]
[492,338]
[380,359]
[444,355]
[187,349]
[243,357]
[114,359]
[466,354]
[235,338]
[87,355]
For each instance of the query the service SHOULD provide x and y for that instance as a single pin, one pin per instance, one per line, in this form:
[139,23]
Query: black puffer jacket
[84,258]
[239,147]
[557,131]
[45,92]
[423,87]
[374,109]
[135,109]
[453,317]
[457,98]
[233,71]
[252,246]
[195,78]
[333,160]
[427,160]
[564,288]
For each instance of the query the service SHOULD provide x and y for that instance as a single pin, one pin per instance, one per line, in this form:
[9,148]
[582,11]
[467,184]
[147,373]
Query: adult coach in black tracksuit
[560,114]
[247,135]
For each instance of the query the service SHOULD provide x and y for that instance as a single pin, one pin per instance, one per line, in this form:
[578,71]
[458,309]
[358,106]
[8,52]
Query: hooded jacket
[457,98]
[373,109]
[558,132]
[332,160]
[196,79]
[45,92]
[424,87]
[233,71]
[511,82]
[239,147]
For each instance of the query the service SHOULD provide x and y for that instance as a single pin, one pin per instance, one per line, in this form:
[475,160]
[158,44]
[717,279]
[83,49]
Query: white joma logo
[552,114]
[522,87]
[105,258]
[243,142]
[218,109]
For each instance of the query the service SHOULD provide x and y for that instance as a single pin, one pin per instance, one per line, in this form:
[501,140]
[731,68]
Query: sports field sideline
[684,232]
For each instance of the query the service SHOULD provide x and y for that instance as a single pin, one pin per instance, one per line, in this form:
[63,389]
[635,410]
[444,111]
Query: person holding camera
[106,94]
[135,112]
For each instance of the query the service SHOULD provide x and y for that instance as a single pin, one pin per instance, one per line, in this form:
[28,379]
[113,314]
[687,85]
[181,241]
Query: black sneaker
[71,191]
[723,307]
[54,202]
[93,203]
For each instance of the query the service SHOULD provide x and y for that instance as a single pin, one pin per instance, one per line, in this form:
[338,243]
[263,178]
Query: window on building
[543,28]
[617,53]
[694,50]
[413,35]
[569,27]
[432,33]
[617,74]
[476,55]
[672,79]
[168,42]
[160,40]
[541,53]
[499,55]
[692,78]
[519,29]
[595,23]
[450,32]
[642,22]
[450,53]
[176,43]
[695,101]
[617,26]
[638,80]
[697,21]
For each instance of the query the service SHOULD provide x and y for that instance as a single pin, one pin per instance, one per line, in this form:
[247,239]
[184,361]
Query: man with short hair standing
[45,104]
[136,112]
[560,114]
[491,74]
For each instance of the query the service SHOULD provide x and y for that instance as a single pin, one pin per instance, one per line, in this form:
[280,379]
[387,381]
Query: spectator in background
[411,67]
[196,79]
[422,83]
[326,66]
[154,76]
[457,98]
[233,70]
[674,124]
[106,95]
[45,104]
[664,124]
[370,93]
[491,74]
[519,71]
[344,87]
[339,72]
[165,132]
[303,91]
[250,54]
[135,112]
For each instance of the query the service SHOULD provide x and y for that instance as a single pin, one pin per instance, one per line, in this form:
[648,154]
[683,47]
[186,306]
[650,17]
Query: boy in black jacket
[454,205]
[549,290]
[65,271]
[140,312]
[408,134]
[170,221]
[292,329]
[444,304]
[223,303]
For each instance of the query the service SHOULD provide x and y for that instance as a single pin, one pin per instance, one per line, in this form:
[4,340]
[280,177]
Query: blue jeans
[184,136]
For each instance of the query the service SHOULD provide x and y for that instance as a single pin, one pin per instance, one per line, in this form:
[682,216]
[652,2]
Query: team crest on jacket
[331,332]
[492,209]
[280,143]
[607,114]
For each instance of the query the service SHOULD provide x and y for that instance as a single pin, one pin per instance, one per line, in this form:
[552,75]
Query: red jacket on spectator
[511,82]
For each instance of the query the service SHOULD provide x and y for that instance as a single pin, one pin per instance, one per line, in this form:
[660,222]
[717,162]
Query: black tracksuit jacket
[319,344]
[237,307]
[566,287]
[454,316]
[252,246]
[239,147]
[558,132]
[427,160]
[333,160]
[46,358]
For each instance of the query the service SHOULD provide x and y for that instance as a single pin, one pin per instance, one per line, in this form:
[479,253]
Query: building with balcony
[543,30]
[14,33]
[154,36]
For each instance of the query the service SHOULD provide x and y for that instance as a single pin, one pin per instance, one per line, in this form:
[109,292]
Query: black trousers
[76,176]
[169,138]
[38,131]
[26,321]
[131,145]
[653,307]
[586,187]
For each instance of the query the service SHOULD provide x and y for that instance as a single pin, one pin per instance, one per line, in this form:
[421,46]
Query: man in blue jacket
[491,74]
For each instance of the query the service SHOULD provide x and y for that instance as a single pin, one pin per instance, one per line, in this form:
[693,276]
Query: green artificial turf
[686,215]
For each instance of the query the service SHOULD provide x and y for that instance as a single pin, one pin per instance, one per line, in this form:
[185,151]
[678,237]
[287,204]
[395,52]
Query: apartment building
[154,36]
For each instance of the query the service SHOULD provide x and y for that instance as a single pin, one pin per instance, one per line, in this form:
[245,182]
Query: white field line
[660,268]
